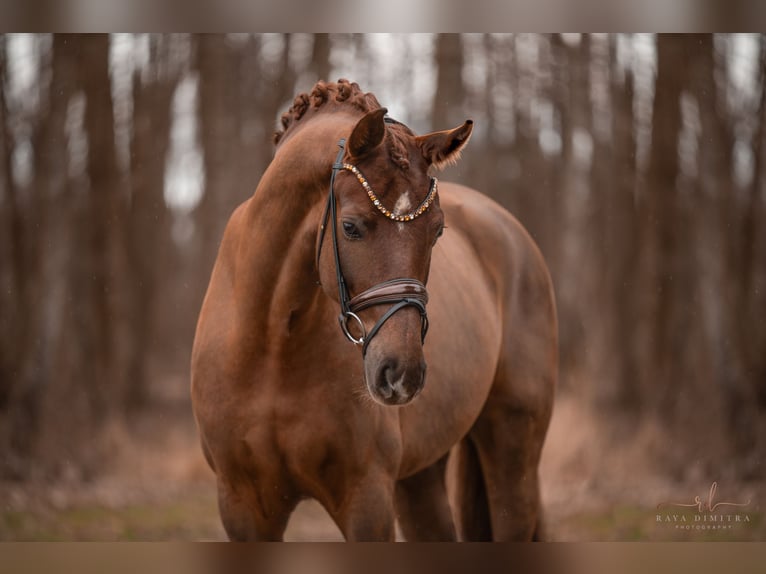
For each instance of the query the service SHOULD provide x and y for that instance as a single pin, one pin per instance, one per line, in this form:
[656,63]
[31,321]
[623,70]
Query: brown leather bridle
[399,293]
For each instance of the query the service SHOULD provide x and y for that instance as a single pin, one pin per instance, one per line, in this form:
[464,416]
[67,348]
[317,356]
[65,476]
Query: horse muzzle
[393,382]
[394,368]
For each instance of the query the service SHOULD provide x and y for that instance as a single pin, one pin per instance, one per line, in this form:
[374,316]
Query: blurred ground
[160,488]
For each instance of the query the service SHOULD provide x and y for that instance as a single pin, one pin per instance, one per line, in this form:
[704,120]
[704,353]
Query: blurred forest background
[637,162]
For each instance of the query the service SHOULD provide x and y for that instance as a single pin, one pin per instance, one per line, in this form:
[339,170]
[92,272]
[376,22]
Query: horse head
[384,219]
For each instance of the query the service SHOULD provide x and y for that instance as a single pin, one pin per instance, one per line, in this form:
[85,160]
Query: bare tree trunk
[11,254]
[622,239]
[558,209]
[741,368]
[680,379]
[100,221]
[320,57]
[659,215]
[148,219]
[753,289]
[39,245]
[274,88]
[219,114]
[450,91]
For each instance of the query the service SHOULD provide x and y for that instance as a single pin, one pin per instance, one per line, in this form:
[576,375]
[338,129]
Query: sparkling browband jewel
[417,212]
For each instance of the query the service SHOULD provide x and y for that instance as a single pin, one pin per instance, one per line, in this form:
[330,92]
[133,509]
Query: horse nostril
[387,377]
[396,380]
[419,379]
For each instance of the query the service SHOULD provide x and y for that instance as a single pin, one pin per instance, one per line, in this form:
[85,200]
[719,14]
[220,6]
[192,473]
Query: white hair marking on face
[403,205]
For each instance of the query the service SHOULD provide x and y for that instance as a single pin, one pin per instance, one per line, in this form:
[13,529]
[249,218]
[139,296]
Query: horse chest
[313,437]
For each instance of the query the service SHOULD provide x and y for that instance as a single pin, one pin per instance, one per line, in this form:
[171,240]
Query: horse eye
[351,231]
[439,233]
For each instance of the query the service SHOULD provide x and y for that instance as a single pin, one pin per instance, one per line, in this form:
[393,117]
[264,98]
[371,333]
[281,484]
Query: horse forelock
[343,93]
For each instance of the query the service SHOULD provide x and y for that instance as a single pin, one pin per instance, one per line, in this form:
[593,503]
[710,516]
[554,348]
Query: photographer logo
[704,513]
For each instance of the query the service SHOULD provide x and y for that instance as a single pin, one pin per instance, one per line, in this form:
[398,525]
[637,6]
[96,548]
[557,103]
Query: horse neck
[276,272]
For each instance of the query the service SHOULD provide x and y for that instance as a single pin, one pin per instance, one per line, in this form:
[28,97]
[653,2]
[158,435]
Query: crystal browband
[417,212]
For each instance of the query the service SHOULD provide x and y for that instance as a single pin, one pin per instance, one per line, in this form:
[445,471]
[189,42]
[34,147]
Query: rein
[399,293]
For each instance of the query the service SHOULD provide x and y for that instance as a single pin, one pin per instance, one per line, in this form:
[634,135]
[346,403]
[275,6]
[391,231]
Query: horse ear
[443,148]
[367,133]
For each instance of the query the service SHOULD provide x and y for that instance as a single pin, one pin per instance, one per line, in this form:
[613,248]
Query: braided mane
[342,93]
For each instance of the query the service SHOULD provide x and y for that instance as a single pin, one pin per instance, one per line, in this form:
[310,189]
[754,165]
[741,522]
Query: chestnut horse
[288,407]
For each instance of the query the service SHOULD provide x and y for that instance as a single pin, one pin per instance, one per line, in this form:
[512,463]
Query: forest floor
[160,488]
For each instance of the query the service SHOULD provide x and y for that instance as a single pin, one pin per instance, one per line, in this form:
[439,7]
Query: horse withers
[314,370]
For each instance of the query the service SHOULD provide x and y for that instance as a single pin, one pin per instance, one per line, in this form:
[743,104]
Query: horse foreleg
[470,494]
[422,505]
[509,443]
[366,511]
[245,515]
